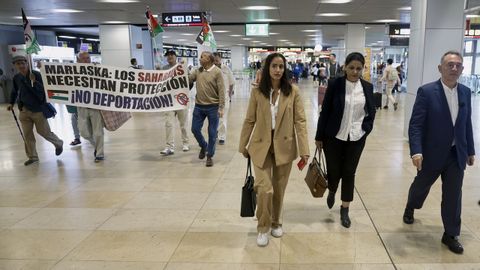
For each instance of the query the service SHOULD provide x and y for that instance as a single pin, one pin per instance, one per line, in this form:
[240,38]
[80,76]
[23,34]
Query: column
[355,39]
[119,44]
[239,58]
[436,27]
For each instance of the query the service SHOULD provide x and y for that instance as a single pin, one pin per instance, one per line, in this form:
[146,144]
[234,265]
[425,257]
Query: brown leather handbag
[316,177]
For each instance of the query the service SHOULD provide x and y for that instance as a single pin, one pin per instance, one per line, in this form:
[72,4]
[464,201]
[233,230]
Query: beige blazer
[290,120]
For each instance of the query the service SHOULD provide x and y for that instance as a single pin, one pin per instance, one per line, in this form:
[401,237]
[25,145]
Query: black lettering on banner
[68,70]
[140,89]
[96,98]
[110,99]
[49,69]
[146,103]
[118,101]
[103,100]
[123,86]
[174,83]
[183,82]
[68,80]
[135,101]
[156,102]
[127,102]
[140,104]
[84,82]
[131,76]
[51,80]
[132,88]
[82,96]
[165,101]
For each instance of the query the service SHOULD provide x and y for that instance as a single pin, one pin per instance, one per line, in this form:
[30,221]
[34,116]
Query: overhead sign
[256,29]
[182,19]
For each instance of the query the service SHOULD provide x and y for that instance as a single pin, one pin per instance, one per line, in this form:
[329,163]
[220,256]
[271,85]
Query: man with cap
[29,93]
[169,116]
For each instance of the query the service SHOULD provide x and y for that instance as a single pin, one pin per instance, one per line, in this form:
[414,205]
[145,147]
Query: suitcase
[322,88]
[378,100]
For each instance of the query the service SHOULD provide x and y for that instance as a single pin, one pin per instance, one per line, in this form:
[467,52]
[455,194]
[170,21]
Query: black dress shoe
[202,153]
[452,244]
[58,150]
[408,216]
[330,199]
[344,218]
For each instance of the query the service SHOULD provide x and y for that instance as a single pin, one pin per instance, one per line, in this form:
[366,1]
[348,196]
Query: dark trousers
[452,180]
[342,159]
[200,112]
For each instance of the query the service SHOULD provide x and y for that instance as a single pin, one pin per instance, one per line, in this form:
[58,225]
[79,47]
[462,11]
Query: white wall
[115,45]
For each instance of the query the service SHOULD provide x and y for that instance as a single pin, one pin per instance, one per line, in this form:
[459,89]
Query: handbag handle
[321,159]
[249,168]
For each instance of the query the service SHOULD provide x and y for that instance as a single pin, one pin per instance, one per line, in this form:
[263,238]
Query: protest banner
[116,89]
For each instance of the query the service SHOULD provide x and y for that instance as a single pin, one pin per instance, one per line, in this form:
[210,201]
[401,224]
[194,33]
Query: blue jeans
[200,112]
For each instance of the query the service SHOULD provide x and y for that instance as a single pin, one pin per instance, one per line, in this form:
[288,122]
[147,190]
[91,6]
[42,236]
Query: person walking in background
[390,76]
[74,118]
[345,121]
[169,117]
[209,103]
[334,70]
[441,145]
[229,82]
[29,93]
[275,114]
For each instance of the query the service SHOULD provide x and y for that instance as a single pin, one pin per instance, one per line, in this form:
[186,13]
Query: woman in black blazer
[346,120]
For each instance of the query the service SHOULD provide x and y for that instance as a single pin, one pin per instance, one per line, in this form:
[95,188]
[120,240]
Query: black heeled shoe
[344,217]
[330,199]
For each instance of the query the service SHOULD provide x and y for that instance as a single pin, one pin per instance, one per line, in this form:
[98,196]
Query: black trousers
[342,159]
[452,180]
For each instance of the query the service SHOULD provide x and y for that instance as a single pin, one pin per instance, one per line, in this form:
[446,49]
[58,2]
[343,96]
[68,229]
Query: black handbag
[48,110]
[249,197]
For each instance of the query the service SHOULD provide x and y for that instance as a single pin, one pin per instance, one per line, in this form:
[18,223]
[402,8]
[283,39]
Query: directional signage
[182,19]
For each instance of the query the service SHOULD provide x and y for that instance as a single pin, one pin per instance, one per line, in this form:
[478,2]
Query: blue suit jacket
[431,130]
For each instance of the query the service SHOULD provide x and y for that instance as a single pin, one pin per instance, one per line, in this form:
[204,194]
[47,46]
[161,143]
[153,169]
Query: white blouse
[353,113]
[274,107]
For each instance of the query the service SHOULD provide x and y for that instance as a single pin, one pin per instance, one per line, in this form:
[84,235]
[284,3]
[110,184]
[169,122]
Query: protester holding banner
[28,91]
[229,81]
[169,116]
[209,103]
[90,121]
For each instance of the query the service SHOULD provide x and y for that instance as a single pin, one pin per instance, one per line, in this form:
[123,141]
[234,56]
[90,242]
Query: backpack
[392,75]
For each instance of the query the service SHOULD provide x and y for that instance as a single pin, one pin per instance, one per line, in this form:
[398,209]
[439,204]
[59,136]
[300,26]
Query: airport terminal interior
[140,209]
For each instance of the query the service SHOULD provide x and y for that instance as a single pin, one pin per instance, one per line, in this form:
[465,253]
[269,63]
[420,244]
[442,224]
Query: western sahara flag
[205,37]
[58,94]
[31,42]
[153,25]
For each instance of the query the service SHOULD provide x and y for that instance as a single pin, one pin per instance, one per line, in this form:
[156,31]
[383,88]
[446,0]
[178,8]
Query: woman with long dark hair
[275,117]
[345,121]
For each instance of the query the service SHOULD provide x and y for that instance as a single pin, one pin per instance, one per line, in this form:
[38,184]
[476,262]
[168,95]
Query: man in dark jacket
[28,91]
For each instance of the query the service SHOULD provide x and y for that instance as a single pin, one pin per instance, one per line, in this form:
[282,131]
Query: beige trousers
[90,124]
[29,119]
[270,184]
[169,118]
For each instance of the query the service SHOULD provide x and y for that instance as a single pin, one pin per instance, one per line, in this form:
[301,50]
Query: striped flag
[153,25]
[205,37]
[58,94]
[31,42]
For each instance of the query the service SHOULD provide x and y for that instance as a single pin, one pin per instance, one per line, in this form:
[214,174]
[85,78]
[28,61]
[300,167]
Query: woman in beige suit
[275,114]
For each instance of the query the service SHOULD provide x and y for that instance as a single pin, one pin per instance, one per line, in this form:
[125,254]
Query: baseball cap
[170,52]
[18,58]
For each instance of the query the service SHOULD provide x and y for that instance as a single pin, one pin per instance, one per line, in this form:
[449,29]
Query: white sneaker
[186,148]
[277,232]
[167,151]
[262,240]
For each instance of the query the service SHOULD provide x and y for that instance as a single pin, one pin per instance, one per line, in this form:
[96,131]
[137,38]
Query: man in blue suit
[441,144]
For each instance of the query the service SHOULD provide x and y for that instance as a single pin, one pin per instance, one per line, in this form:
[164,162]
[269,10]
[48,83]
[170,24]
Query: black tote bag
[249,198]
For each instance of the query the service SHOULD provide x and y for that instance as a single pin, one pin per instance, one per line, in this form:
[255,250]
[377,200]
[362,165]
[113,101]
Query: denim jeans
[200,112]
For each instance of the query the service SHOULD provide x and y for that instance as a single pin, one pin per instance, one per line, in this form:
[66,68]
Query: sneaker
[186,148]
[277,232]
[75,142]
[209,162]
[167,152]
[221,142]
[98,159]
[202,153]
[262,240]
[385,107]
[30,161]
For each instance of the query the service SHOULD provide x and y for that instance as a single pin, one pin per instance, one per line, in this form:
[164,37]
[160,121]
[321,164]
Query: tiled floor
[139,210]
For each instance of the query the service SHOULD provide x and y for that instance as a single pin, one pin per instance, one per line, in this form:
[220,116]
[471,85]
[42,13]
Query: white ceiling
[301,15]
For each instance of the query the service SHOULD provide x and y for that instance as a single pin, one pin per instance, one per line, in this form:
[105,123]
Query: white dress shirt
[452,99]
[274,107]
[353,113]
